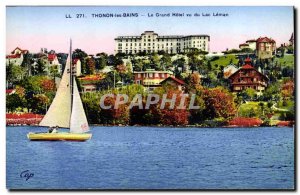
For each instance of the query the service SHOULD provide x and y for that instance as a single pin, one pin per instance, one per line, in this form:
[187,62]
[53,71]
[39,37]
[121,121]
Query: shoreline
[165,126]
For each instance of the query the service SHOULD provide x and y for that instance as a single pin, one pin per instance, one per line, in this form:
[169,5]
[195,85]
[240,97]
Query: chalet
[265,48]
[248,77]
[16,57]
[174,82]
[151,78]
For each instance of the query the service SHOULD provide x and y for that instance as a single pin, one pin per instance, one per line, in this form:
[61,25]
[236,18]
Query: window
[139,75]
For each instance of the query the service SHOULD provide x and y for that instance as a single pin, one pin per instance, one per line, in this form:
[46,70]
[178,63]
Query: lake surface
[154,158]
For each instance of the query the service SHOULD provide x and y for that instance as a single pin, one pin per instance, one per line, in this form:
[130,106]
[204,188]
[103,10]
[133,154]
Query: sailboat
[66,111]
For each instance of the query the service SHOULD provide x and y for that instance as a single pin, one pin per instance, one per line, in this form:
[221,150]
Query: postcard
[150,98]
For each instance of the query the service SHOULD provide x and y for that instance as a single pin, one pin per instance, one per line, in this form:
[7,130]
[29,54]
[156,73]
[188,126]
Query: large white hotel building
[150,42]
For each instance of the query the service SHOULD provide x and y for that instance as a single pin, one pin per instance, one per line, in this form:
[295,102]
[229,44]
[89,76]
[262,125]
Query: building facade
[174,83]
[52,62]
[16,57]
[76,66]
[248,77]
[151,42]
[252,44]
[151,78]
[265,48]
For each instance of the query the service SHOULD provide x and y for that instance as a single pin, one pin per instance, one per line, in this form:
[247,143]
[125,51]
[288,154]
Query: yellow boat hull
[59,136]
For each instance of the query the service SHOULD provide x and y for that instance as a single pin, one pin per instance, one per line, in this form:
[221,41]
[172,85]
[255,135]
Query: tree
[101,61]
[40,67]
[48,85]
[219,103]
[114,60]
[81,55]
[92,109]
[14,73]
[250,92]
[113,115]
[198,115]
[39,103]
[26,63]
[90,65]
[155,61]
[165,61]
[108,81]
[62,59]
[179,64]
[168,115]
[192,82]
[272,92]
[13,102]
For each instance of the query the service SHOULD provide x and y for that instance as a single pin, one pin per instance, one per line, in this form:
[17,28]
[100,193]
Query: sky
[37,27]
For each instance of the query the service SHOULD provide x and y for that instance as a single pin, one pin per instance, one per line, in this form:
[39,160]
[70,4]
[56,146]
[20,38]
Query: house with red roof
[174,83]
[52,61]
[16,56]
[151,78]
[265,48]
[248,77]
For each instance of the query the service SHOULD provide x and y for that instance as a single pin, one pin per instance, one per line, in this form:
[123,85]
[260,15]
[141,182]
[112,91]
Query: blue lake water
[155,158]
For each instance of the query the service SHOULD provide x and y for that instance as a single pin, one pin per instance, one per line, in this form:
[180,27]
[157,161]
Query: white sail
[78,123]
[60,110]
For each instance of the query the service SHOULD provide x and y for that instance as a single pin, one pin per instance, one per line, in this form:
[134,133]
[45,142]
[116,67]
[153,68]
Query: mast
[71,72]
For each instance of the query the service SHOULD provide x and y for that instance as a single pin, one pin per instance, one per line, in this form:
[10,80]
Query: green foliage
[14,73]
[224,61]
[272,92]
[13,102]
[92,108]
[286,61]
[81,55]
[250,92]
[101,61]
[39,103]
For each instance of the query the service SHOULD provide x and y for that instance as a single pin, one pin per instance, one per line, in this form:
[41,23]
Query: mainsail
[60,109]
[78,123]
